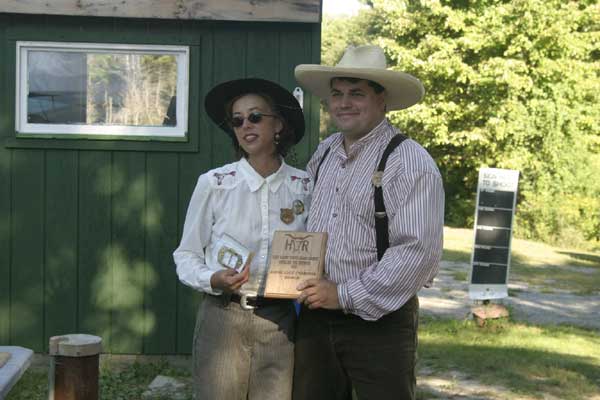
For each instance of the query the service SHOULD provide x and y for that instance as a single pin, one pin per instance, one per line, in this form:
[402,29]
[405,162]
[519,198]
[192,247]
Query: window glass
[125,90]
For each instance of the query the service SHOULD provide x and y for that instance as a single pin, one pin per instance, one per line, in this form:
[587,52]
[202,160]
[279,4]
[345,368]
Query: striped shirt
[343,206]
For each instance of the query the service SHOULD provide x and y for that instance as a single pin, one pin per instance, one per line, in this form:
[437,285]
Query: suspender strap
[319,166]
[381,219]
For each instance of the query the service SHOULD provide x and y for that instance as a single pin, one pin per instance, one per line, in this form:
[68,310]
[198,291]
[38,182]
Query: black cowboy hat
[285,103]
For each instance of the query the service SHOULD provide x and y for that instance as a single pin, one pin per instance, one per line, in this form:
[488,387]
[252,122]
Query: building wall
[87,227]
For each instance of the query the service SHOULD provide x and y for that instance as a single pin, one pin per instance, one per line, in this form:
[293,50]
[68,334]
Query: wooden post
[74,367]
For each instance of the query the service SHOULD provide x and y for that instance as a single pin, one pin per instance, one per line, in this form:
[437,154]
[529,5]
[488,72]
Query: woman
[243,342]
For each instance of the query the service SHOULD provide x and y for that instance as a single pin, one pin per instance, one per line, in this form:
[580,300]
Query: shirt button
[337,189]
[334,215]
[343,166]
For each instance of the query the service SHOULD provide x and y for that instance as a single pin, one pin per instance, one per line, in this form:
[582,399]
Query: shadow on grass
[524,359]
[583,257]
[456,256]
[574,259]
[520,370]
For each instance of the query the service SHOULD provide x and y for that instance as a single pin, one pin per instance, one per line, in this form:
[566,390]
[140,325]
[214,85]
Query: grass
[541,265]
[460,276]
[130,382]
[117,381]
[33,385]
[527,361]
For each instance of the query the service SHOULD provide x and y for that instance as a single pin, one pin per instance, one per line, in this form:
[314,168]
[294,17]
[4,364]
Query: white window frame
[25,128]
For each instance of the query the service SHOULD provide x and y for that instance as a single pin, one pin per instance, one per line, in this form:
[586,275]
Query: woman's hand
[228,280]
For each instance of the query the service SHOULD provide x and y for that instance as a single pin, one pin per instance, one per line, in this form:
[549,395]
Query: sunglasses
[255,117]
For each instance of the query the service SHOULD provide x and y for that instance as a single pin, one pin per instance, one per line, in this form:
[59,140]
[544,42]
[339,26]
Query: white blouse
[235,201]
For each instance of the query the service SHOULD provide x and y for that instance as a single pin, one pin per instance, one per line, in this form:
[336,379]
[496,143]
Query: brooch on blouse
[377,178]
[288,215]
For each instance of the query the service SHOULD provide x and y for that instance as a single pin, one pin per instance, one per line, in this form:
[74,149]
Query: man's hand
[228,280]
[319,293]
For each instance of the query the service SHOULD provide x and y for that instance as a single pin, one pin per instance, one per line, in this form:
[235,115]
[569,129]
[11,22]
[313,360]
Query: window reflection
[71,87]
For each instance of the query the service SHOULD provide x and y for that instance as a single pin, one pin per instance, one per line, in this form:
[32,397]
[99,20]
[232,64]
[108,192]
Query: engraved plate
[295,257]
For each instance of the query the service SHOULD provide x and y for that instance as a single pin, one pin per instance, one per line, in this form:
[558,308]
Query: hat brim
[402,90]
[285,103]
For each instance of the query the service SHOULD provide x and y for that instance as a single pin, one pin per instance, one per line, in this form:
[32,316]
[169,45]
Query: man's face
[355,107]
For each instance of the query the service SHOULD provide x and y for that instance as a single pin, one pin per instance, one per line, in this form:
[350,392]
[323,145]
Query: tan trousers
[243,355]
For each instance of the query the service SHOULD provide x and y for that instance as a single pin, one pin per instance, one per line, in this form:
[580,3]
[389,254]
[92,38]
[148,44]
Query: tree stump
[488,311]
[74,367]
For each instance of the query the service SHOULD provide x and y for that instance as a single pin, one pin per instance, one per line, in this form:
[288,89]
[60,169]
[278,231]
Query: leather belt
[249,303]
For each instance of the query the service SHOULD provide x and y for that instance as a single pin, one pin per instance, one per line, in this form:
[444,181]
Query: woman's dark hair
[287,135]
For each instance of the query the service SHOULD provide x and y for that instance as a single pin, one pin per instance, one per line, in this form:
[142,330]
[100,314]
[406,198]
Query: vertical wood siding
[86,236]
[5,196]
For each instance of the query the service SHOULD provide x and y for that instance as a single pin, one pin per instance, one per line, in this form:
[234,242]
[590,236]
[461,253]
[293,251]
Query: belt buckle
[244,301]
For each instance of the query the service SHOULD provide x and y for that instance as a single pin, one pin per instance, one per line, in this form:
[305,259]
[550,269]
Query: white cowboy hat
[364,62]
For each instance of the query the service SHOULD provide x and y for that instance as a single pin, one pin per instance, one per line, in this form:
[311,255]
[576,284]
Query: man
[358,325]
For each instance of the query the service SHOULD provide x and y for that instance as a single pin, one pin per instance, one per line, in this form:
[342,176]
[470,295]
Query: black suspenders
[381,219]
[319,166]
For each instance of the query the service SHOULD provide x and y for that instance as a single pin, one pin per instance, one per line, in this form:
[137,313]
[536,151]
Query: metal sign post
[494,214]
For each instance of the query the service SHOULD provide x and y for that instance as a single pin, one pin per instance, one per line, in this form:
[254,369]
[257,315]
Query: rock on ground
[164,387]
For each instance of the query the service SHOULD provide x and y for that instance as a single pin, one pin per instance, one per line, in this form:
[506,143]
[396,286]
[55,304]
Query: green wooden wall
[87,228]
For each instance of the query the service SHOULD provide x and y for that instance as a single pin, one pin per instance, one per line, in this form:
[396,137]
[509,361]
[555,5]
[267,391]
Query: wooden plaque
[295,257]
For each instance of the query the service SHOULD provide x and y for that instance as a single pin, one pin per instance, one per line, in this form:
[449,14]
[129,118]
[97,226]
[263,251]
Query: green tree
[509,84]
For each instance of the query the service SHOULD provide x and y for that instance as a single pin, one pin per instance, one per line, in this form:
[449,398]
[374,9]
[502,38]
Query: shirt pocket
[361,203]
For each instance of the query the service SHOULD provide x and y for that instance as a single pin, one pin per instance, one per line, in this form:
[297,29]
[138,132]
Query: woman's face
[255,138]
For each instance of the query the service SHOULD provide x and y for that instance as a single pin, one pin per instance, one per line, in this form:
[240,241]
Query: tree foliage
[509,84]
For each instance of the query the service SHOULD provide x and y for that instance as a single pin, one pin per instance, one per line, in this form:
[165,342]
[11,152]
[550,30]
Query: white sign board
[494,214]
